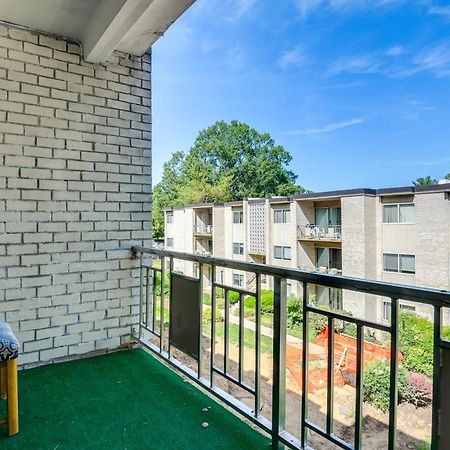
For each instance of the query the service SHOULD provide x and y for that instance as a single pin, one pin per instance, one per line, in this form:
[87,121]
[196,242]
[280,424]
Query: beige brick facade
[75,181]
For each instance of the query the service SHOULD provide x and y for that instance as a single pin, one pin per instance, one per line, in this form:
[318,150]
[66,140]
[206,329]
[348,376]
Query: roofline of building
[402,190]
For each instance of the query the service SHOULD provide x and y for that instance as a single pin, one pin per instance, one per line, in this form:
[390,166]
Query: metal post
[393,400]
[330,377]
[241,338]
[141,293]
[304,429]
[161,310]
[258,346]
[359,385]
[279,361]
[435,424]
[226,331]
[200,331]
[212,374]
[169,348]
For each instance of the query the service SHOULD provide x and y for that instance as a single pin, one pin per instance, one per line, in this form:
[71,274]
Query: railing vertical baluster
[359,385]
[169,347]
[393,398]
[305,363]
[141,293]
[200,331]
[330,378]
[258,346]
[241,337]
[436,406]
[154,299]
[226,331]
[147,295]
[161,310]
[279,361]
[212,360]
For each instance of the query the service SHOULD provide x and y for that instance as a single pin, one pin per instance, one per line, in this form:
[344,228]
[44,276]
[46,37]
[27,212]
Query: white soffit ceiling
[102,26]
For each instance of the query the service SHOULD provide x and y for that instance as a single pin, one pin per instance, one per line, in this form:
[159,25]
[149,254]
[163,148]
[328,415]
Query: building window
[281,216]
[238,279]
[403,308]
[331,258]
[238,217]
[238,248]
[169,217]
[398,213]
[399,263]
[169,242]
[282,252]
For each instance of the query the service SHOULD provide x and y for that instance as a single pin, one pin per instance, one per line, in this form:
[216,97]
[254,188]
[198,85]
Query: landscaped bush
[249,312]
[267,299]
[376,383]
[233,297]
[416,342]
[207,314]
[250,302]
[206,298]
[419,390]
[294,311]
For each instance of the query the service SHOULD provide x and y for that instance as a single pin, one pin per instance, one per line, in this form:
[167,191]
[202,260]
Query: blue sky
[358,91]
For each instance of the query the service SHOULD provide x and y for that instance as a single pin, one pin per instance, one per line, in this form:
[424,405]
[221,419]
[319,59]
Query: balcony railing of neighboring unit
[203,229]
[155,333]
[319,232]
[201,252]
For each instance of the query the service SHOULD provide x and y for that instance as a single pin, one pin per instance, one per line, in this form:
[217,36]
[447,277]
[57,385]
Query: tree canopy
[228,161]
[425,181]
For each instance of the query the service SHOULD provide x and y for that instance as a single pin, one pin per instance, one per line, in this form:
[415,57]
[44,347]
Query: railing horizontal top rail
[435,297]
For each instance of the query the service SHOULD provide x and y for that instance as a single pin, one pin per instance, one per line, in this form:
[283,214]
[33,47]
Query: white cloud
[396,50]
[328,128]
[243,7]
[236,57]
[440,10]
[356,64]
[306,7]
[294,57]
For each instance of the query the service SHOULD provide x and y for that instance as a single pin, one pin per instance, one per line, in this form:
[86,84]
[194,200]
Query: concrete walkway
[267,331]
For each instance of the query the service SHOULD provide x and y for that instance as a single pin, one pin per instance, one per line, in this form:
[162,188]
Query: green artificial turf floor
[125,400]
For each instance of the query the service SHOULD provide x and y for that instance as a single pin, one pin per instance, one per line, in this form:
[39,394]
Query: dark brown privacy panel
[185,314]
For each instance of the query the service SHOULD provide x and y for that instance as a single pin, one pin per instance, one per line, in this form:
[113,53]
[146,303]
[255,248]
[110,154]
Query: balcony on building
[114,341]
[203,221]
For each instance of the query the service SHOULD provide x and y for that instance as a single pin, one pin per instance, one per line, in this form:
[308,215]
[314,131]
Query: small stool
[9,351]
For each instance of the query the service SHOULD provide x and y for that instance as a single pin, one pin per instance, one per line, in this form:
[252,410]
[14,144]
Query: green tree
[447,177]
[425,181]
[228,161]
[165,192]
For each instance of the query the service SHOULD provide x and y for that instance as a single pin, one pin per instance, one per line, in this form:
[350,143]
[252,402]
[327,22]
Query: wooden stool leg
[13,401]
[3,381]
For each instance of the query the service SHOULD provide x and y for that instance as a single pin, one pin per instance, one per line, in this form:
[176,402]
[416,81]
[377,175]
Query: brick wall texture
[75,179]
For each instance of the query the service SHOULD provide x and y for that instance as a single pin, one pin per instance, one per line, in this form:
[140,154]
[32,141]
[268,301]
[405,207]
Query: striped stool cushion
[9,345]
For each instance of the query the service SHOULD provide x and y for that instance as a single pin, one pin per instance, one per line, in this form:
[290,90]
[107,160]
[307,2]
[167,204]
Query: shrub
[249,312]
[376,383]
[267,299]
[294,311]
[207,313]
[419,390]
[206,298]
[233,297]
[250,302]
[416,342]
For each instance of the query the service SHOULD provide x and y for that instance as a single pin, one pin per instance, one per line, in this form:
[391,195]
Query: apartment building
[399,235]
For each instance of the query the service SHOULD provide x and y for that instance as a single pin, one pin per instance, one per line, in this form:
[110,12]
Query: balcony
[311,232]
[250,367]
[121,400]
[203,230]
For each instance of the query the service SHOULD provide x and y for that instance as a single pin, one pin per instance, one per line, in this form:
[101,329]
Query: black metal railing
[151,327]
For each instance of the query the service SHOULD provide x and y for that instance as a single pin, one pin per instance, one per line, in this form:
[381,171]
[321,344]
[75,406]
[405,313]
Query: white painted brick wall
[75,176]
